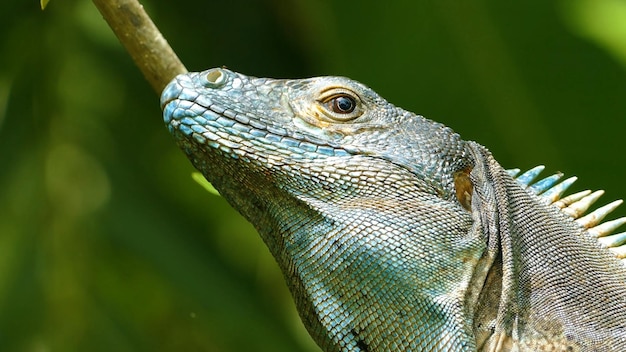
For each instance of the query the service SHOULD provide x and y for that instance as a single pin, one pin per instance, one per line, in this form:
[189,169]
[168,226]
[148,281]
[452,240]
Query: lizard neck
[372,273]
[533,286]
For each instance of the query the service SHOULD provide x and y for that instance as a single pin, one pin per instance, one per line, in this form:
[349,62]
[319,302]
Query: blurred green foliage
[106,244]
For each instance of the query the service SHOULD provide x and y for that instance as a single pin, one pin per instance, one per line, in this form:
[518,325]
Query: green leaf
[43,4]
[196,176]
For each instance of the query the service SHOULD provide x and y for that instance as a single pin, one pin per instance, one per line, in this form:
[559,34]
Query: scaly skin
[391,231]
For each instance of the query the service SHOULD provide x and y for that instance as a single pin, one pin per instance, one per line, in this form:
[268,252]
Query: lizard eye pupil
[340,105]
[343,104]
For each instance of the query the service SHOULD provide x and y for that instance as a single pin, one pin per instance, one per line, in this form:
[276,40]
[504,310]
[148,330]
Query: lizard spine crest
[576,205]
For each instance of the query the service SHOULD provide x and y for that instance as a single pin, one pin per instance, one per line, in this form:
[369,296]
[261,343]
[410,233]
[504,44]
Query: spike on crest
[575,205]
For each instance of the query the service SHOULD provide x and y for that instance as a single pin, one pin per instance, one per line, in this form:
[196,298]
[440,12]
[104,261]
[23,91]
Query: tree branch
[143,41]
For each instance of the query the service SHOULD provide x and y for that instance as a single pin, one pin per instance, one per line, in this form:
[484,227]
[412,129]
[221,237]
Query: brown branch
[143,41]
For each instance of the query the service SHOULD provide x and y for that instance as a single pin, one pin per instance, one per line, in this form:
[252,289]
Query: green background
[106,244]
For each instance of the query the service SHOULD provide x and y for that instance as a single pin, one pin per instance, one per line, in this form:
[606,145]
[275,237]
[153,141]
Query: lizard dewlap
[392,232]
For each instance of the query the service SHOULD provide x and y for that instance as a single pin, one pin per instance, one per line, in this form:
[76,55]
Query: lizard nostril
[215,78]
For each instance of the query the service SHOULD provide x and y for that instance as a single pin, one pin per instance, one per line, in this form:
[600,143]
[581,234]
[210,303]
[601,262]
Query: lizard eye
[341,105]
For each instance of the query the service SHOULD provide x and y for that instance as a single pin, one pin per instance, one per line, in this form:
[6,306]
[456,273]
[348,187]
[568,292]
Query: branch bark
[143,41]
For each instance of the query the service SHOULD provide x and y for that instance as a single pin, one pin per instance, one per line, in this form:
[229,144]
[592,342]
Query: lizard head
[275,125]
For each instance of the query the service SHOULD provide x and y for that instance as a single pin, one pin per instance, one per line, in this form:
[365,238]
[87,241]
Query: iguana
[393,233]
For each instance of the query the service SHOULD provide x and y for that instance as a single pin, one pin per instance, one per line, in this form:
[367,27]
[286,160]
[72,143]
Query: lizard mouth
[171,92]
[164,103]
